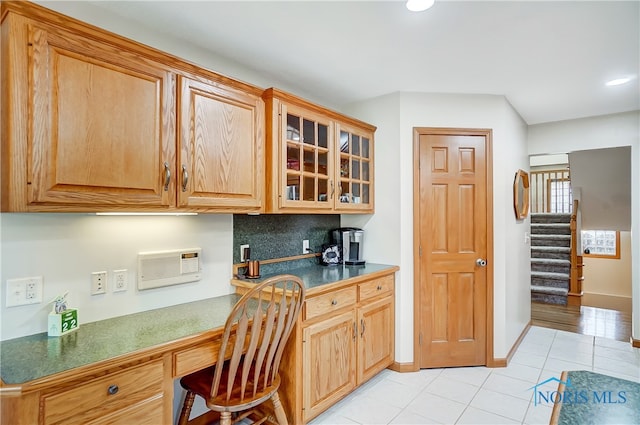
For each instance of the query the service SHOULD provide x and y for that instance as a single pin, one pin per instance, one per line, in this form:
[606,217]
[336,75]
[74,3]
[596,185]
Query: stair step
[555,261]
[552,237]
[550,229]
[549,290]
[549,298]
[559,265]
[564,254]
[550,248]
[550,218]
[550,275]
[551,240]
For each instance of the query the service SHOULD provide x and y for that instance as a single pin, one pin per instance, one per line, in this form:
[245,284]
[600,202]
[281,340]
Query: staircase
[550,257]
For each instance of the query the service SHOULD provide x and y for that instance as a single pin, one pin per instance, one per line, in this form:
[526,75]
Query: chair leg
[186,408]
[225,418]
[279,410]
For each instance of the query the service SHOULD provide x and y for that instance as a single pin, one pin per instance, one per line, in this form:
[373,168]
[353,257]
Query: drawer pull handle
[167,176]
[185,178]
[379,287]
[334,302]
[113,389]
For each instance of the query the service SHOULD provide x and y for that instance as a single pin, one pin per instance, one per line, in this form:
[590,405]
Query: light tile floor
[479,395]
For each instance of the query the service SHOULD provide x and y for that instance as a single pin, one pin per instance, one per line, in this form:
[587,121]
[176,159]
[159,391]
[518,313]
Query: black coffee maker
[350,242]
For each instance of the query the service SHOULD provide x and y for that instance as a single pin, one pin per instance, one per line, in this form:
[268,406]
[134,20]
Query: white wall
[396,115]
[66,248]
[607,281]
[594,133]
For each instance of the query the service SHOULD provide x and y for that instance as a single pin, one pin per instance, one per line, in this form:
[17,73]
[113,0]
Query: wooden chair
[246,372]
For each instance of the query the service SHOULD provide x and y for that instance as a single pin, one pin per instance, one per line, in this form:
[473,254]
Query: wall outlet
[305,246]
[120,280]
[24,291]
[98,283]
[242,248]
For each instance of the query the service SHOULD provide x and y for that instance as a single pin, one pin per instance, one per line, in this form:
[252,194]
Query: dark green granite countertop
[592,398]
[36,356]
[314,276]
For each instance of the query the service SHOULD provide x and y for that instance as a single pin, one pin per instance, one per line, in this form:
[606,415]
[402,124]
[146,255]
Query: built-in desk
[122,370]
[73,378]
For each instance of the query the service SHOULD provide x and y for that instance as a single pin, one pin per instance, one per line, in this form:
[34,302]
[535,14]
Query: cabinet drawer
[322,304]
[195,358]
[93,400]
[149,412]
[376,287]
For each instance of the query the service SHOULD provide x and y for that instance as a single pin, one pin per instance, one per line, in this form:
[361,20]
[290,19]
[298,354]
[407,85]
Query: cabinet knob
[113,389]
[379,288]
[334,302]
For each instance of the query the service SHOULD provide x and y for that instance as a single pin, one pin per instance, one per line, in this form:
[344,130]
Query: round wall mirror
[521,194]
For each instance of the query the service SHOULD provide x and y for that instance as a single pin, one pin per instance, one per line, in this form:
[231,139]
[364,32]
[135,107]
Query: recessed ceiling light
[618,81]
[419,5]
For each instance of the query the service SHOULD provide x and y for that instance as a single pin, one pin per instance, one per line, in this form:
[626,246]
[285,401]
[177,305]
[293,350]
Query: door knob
[481,262]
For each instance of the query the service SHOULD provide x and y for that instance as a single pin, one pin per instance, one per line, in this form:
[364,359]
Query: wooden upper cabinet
[355,169]
[100,127]
[221,153]
[95,122]
[305,166]
[318,161]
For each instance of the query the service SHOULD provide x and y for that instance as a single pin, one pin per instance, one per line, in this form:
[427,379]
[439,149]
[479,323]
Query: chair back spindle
[255,335]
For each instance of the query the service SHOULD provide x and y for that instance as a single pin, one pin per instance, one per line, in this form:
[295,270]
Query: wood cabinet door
[354,170]
[221,140]
[101,124]
[306,160]
[376,337]
[329,362]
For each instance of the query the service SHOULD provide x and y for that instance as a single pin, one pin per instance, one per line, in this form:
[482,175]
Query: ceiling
[550,59]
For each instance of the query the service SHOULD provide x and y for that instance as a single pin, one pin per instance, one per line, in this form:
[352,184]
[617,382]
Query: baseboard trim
[404,367]
[635,343]
[497,362]
[503,362]
[611,302]
[493,363]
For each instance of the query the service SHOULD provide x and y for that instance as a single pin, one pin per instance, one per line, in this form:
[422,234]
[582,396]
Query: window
[601,243]
[559,195]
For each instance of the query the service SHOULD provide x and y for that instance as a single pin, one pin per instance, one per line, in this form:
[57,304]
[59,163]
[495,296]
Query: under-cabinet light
[146,213]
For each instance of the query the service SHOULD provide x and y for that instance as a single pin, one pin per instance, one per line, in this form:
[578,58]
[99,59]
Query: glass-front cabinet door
[355,163]
[307,150]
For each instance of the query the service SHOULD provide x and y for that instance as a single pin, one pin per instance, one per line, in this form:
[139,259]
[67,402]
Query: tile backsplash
[277,236]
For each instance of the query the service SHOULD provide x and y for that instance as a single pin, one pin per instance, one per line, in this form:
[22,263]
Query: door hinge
[420,251]
[420,338]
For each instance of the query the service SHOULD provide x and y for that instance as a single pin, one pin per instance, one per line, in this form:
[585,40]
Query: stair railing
[549,191]
[576,275]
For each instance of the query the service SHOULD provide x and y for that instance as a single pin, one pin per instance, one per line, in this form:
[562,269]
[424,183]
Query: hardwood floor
[583,320]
